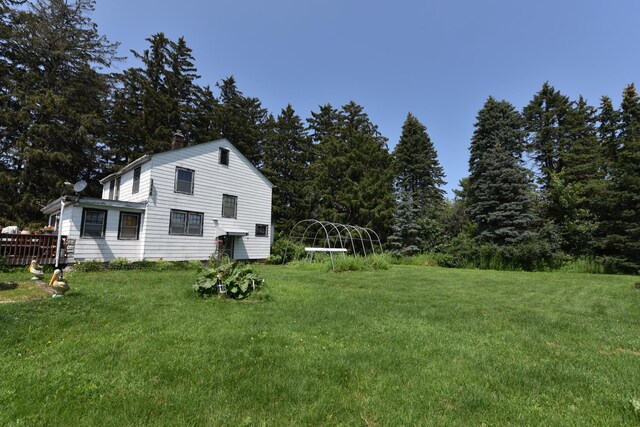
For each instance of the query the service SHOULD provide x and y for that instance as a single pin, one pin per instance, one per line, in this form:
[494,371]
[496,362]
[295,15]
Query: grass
[20,290]
[406,346]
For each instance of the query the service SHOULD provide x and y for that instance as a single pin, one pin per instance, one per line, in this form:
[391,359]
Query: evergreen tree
[629,115]
[352,174]
[498,122]
[327,175]
[417,170]
[545,118]
[242,120]
[618,236]
[205,127]
[608,129]
[498,193]
[127,130]
[54,101]
[579,186]
[154,101]
[405,239]
[501,202]
[286,163]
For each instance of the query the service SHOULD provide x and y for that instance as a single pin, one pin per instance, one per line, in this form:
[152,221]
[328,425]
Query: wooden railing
[20,249]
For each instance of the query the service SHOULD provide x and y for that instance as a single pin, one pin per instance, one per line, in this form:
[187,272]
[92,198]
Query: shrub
[464,252]
[145,264]
[235,280]
[162,265]
[90,265]
[120,264]
[286,250]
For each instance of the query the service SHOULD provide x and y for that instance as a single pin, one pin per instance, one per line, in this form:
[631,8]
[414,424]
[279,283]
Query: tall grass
[322,263]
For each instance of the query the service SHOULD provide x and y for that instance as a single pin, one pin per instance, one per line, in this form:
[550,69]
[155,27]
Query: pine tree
[501,202]
[618,235]
[153,101]
[55,103]
[286,163]
[498,122]
[580,184]
[405,239]
[242,120]
[498,193]
[545,118]
[328,164]
[417,169]
[206,107]
[608,130]
[352,175]
[127,131]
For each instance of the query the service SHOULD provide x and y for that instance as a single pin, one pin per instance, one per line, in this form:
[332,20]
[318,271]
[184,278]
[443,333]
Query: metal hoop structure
[330,237]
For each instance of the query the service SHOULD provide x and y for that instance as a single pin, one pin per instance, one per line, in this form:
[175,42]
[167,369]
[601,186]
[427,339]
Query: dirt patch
[7,286]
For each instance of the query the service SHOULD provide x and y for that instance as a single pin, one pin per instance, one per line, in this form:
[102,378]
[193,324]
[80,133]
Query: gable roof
[148,157]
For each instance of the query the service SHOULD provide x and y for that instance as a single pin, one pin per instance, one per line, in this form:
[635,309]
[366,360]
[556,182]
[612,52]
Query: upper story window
[184,180]
[112,186]
[129,228]
[224,156]
[262,230]
[116,195]
[229,206]
[136,180]
[94,223]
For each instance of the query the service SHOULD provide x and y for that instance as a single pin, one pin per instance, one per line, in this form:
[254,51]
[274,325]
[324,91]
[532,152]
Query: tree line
[557,179]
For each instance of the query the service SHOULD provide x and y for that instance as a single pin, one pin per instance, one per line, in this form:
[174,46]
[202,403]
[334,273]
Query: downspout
[58,244]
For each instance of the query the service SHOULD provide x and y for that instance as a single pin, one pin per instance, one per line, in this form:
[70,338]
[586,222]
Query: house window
[129,228]
[116,195]
[112,185]
[94,223]
[229,206]
[184,180]
[224,156]
[186,223]
[262,230]
[136,180]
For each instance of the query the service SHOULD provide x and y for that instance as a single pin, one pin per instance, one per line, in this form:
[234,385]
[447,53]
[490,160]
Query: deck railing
[20,249]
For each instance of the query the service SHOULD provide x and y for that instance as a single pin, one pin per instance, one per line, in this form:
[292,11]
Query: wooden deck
[20,249]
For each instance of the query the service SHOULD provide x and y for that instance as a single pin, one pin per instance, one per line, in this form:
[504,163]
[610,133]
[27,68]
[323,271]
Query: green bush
[238,279]
[120,264]
[286,250]
[90,265]
[145,264]
[162,265]
[464,252]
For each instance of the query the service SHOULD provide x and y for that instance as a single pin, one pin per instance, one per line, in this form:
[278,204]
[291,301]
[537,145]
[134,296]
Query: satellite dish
[79,186]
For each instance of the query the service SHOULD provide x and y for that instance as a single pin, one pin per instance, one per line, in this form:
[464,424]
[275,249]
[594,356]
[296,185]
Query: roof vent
[177,141]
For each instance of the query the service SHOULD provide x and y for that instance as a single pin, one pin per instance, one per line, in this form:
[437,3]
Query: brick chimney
[177,141]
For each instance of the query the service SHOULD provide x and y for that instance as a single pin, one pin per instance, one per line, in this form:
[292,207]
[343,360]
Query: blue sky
[439,60]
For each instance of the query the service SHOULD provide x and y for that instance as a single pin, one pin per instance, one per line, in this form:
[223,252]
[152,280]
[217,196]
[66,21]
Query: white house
[183,204]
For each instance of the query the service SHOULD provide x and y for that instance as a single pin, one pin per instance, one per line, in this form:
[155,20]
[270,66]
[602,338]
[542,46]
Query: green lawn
[408,346]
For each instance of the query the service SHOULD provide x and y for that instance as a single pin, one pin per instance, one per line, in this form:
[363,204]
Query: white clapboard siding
[102,249]
[126,185]
[211,181]
[157,181]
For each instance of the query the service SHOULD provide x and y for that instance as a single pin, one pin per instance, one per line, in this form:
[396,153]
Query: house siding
[103,249]
[126,185]
[211,181]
